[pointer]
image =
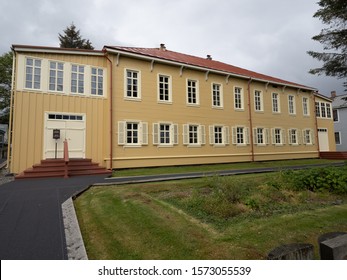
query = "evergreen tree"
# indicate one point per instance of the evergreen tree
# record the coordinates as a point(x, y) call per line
point(5, 85)
point(334, 39)
point(73, 39)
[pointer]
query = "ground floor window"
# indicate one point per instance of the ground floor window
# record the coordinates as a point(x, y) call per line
point(338, 138)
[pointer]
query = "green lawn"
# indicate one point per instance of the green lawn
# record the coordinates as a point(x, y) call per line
point(237, 217)
point(217, 167)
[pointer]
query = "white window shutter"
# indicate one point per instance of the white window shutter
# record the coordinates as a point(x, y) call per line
point(226, 135)
point(299, 136)
point(304, 137)
point(267, 136)
point(211, 134)
point(312, 137)
point(156, 134)
point(144, 133)
point(175, 134)
point(255, 136)
point(121, 132)
point(202, 134)
point(234, 136)
point(283, 136)
point(273, 136)
point(185, 134)
point(246, 135)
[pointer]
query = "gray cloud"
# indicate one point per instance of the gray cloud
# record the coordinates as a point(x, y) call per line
point(267, 36)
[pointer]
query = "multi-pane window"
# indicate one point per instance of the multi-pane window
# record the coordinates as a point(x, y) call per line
point(97, 81)
point(218, 135)
point(56, 76)
point(33, 73)
point(293, 136)
point(277, 136)
point(192, 92)
point(238, 98)
point(193, 134)
point(305, 107)
point(258, 101)
point(328, 107)
point(275, 103)
point(217, 96)
point(77, 78)
point(132, 133)
point(132, 84)
point(323, 110)
point(165, 134)
point(164, 88)
point(261, 136)
point(240, 135)
point(317, 109)
point(307, 137)
point(291, 104)
point(240, 139)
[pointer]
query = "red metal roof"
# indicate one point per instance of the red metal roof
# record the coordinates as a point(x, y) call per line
point(204, 63)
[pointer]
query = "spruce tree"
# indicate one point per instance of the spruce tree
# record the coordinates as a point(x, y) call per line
point(73, 39)
point(334, 39)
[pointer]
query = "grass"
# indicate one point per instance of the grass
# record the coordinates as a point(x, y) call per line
point(216, 167)
point(241, 217)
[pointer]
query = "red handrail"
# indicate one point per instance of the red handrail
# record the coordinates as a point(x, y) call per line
point(66, 158)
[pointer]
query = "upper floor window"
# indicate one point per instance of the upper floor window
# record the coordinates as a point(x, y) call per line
point(132, 84)
point(56, 76)
point(192, 92)
point(97, 81)
point(164, 89)
point(77, 78)
point(328, 107)
point(217, 98)
point(275, 103)
point(291, 104)
point(305, 106)
point(33, 73)
point(317, 109)
point(258, 101)
point(238, 98)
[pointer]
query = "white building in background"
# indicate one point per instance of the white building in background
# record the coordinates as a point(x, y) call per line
point(340, 120)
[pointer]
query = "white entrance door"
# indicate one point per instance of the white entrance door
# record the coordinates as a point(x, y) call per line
point(323, 139)
point(72, 128)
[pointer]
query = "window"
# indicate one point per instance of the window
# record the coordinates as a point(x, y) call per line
point(132, 86)
point(132, 133)
point(323, 110)
point(33, 73)
point(192, 92)
point(164, 89)
point(65, 117)
point(328, 107)
point(258, 101)
point(293, 137)
point(291, 104)
point(77, 79)
point(217, 98)
point(278, 136)
point(307, 137)
point(165, 134)
point(338, 138)
point(275, 103)
point(335, 115)
point(238, 98)
point(261, 136)
point(97, 81)
point(219, 135)
point(193, 134)
point(56, 76)
point(240, 135)
point(305, 106)
point(317, 109)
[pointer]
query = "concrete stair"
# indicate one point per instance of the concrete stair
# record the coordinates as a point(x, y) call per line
point(333, 155)
point(56, 168)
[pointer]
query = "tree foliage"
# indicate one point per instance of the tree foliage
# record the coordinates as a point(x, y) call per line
point(5, 85)
point(334, 39)
point(72, 39)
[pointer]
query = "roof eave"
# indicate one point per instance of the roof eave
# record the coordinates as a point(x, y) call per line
point(54, 50)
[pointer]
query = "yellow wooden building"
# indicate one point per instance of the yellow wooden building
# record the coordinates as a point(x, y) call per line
point(137, 107)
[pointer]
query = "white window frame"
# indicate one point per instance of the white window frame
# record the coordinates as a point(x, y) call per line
point(305, 106)
point(291, 105)
point(166, 87)
point(56, 80)
point(224, 135)
point(307, 136)
point(293, 134)
point(137, 84)
point(200, 135)
point(261, 136)
point(258, 101)
point(99, 81)
point(142, 133)
point(237, 132)
point(191, 91)
point(278, 133)
point(238, 99)
point(275, 103)
point(80, 79)
point(35, 75)
point(173, 134)
point(217, 95)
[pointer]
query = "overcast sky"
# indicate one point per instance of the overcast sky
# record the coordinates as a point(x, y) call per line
point(266, 36)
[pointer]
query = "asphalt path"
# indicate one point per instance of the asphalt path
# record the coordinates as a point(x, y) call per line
point(31, 223)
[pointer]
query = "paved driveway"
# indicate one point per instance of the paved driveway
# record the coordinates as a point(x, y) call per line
point(31, 224)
